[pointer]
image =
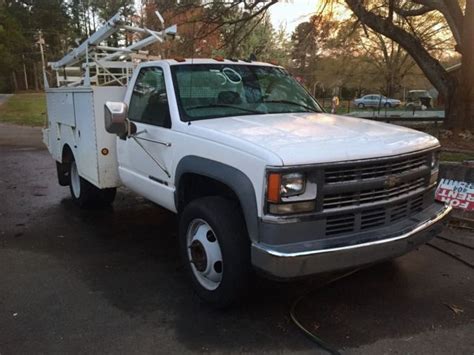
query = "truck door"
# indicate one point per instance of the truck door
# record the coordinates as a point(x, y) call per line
point(145, 158)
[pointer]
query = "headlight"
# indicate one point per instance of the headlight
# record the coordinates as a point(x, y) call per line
point(290, 193)
point(292, 184)
point(434, 160)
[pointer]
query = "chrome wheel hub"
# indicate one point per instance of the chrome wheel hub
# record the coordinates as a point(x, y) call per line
point(204, 254)
point(75, 180)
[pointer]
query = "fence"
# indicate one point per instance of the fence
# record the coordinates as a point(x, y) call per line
point(385, 114)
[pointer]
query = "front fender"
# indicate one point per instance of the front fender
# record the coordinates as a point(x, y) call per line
point(228, 175)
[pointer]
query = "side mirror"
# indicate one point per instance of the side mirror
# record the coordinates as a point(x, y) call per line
point(115, 114)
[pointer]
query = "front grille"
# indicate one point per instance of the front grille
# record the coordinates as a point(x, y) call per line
point(372, 218)
point(358, 198)
point(371, 194)
point(363, 183)
point(361, 172)
point(340, 224)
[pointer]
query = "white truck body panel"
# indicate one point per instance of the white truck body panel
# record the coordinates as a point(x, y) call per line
point(76, 119)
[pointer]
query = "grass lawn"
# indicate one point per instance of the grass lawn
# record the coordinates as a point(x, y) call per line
point(24, 109)
point(456, 157)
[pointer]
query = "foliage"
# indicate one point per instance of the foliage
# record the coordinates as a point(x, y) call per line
point(219, 28)
point(310, 40)
point(21, 22)
point(12, 42)
point(402, 21)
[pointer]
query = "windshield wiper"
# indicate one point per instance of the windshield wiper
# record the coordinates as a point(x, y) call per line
point(291, 103)
point(222, 105)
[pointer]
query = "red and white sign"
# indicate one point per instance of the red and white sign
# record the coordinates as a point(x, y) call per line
point(459, 194)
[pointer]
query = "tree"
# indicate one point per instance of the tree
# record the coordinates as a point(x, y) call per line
point(235, 28)
point(310, 39)
point(388, 57)
point(458, 15)
point(21, 22)
point(12, 42)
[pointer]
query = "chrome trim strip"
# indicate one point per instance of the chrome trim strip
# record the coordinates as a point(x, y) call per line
point(276, 168)
point(426, 224)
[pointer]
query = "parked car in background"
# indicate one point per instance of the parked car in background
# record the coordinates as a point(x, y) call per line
point(375, 100)
point(418, 98)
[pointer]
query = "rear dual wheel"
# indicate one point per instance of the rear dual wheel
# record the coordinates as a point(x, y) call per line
point(215, 249)
point(84, 194)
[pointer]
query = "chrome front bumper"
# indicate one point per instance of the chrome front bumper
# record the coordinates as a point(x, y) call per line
point(291, 261)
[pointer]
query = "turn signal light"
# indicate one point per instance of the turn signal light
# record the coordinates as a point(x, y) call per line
point(273, 187)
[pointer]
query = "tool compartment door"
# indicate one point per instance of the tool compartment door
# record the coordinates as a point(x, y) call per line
point(85, 149)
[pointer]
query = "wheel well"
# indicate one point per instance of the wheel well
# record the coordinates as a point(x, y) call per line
point(63, 168)
point(67, 155)
point(192, 186)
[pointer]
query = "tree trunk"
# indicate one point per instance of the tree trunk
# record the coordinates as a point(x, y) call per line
point(459, 110)
point(15, 82)
point(460, 102)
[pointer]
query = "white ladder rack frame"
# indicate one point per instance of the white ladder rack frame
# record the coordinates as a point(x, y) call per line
point(93, 54)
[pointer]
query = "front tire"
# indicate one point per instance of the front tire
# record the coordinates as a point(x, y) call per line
point(84, 194)
point(215, 249)
point(361, 105)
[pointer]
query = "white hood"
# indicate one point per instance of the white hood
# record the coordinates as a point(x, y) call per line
point(306, 138)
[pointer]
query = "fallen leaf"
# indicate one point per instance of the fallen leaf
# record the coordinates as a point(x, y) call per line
point(454, 308)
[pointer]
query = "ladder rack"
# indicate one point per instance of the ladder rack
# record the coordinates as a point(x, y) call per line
point(94, 63)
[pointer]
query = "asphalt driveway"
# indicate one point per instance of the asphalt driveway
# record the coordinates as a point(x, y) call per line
point(111, 282)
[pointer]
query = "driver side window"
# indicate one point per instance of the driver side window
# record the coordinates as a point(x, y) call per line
point(149, 101)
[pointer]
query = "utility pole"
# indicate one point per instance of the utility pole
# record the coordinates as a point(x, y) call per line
point(24, 72)
point(40, 42)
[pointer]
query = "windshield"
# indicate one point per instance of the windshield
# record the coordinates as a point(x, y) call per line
point(206, 91)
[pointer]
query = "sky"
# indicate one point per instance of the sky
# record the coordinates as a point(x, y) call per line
point(290, 13)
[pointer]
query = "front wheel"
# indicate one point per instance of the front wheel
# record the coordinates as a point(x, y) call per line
point(216, 250)
point(388, 105)
point(361, 105)
point(84, 194)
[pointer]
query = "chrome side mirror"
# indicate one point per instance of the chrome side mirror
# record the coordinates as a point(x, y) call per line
point(115, 114)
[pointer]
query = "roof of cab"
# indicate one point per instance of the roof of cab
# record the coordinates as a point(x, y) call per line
point(184, 61)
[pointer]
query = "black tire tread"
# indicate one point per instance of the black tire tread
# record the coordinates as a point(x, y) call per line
point(92, 196)
point(225, 218)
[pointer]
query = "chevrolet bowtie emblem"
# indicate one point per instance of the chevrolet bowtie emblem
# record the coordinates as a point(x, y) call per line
point(392, 181)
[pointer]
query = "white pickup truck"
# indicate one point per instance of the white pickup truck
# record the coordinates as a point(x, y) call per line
point(260, 176)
